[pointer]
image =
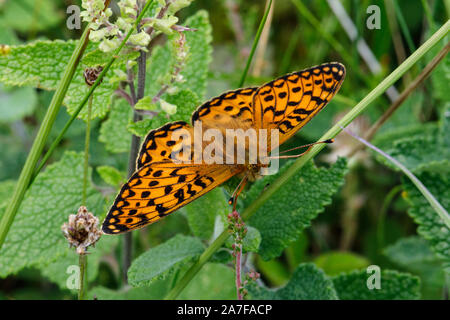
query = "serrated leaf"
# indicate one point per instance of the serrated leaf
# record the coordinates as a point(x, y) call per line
point(113, 132)
point(213, 282)
point(202, 213)
point(58, 272)
point(16, 103)
point(415, 255)
point(417, 151)
point(336, 262)
point(431, 227)
point(159, 262)
point(394, 286)
point(281, 219)
point(111, 175)
point(307, 283)
point(35, 237)
point(41, 64)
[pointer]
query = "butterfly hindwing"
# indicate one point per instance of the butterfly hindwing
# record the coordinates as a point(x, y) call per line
point(289, 102)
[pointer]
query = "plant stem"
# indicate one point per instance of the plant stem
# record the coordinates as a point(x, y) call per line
point(82, 262)
point(41, 137)
point(86, 151)
point(135, 142)
point(94, 86)
point(298, 164)
point(403, 96)
point(382, 216)
point(443, 214)
point(255, 43)
point(238, 272)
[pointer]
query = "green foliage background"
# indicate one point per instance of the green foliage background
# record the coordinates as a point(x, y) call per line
point(313, 239)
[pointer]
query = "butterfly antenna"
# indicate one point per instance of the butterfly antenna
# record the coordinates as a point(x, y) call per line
point(237, 192)
point(309, 146)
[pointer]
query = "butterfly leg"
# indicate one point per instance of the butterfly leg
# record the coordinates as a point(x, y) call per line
point(237, 192)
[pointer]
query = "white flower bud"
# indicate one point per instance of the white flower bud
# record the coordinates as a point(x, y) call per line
point(169, 108)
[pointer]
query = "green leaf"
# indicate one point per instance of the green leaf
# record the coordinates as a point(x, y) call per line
point(417, 151)
point(307, 283)
point(145, 104)
point(417, 147)
point(113, 132)
point(290, 210)
point(213, 282)
point(252, 240)
point(6, 190)
point(156, 291)
point(200, 50)
point(336, 262)
point(159, 262)
point(40, 64)
point(35, 237)
point(202, 213)
point(16, 103)
point(394, 286)
point(408, 252)
point(34, 15)
point(195, 71)
point(415, 255)
point(431, 227)
point(111, 175)
point(59, 272)
point(99, 58)
point(186, 102)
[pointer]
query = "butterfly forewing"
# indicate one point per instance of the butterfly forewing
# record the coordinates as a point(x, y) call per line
point(289, 102)
point(158, 189)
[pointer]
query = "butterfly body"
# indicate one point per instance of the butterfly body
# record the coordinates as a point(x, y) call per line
point(232, 134)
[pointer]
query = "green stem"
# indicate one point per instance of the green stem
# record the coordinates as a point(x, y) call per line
point(382, 216)
point(255, 44)
point(440, 210)
point(404, 27)
point(82, 262)
point(336, 45)
point(298, 164)
point(41, 137)
point(428, 14)
point(26, 175)
point(86, 151)
point(92, 89)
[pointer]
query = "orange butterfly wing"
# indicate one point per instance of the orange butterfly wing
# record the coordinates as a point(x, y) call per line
point(291, 101)
point(160, 188)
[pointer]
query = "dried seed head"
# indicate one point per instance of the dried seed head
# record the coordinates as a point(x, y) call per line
point(91, 74)
point(82, 230)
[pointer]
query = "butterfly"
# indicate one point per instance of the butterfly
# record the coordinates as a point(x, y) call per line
point(161, 185)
